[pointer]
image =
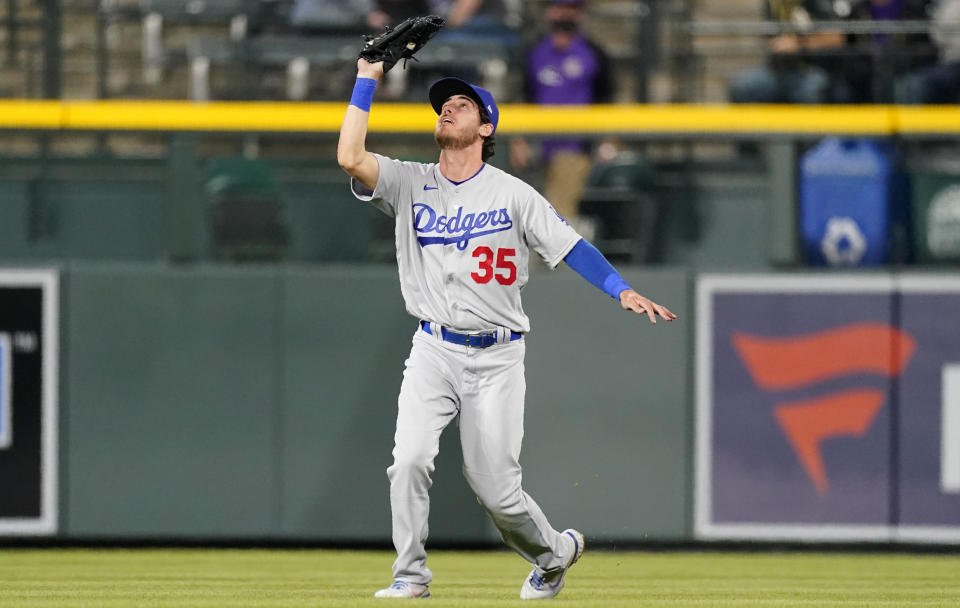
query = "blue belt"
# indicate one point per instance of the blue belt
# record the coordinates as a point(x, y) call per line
point(471, 340)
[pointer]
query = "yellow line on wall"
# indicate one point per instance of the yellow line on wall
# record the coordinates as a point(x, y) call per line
point(515, 118)
point(31, 114)
point(186, 116)
point(707, 119)
point(245, 116)
point(930, 119)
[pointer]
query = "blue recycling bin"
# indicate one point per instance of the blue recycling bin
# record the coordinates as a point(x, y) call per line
point(852, 203)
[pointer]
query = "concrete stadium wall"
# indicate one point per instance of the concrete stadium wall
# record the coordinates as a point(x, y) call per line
point(258, 402)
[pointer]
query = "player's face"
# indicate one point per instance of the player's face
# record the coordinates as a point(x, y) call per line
point(459, 124)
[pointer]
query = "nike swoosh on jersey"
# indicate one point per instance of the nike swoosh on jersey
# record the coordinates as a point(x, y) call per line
point(426, 187)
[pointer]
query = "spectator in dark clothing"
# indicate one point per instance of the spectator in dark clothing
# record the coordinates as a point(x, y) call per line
point(392, 12)
point(309, 15)
point(491, 22)
point(483, 18)
point(372, 14)
point(939, 83)
point(873, 62)
point(797, 63)
point(564, 67)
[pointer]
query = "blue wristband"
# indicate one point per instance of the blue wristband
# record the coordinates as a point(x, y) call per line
point(363, 93)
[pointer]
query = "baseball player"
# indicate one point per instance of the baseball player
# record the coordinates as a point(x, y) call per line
point(464, 231)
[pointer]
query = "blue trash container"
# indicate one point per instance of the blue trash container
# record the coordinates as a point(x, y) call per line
point(852, 203)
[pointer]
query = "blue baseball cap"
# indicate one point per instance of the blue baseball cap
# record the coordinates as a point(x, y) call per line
point(445, 88)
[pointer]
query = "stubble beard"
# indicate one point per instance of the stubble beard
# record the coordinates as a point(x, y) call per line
point(455, 141)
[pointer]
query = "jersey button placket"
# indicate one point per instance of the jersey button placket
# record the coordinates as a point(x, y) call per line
point(448, 270)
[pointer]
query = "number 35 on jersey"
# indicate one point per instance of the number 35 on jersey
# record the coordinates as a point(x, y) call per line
point(499, 265)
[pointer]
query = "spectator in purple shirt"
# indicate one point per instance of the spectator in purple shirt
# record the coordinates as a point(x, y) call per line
point(564, 67)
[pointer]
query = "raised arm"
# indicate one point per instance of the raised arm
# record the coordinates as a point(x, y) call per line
point(351, 151)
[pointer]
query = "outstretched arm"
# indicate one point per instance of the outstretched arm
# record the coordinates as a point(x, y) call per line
point(351, 151)
point(591, 265)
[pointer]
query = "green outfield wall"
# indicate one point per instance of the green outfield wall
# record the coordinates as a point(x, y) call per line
point(118, 210)
point(203, 400)
point(258, 403)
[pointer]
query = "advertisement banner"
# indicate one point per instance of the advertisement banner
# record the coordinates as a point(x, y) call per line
point(929, 423)
point(821, 403)
point(29, 328)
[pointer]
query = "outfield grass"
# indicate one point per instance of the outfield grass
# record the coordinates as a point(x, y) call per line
point(273, 578)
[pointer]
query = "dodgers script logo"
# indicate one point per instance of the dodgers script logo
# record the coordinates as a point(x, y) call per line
point(457, 228)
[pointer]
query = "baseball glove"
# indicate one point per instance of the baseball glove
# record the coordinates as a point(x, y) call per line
point(400, 42)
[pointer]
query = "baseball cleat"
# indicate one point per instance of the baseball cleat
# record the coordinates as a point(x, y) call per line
point(545, 585)
point(404, 590)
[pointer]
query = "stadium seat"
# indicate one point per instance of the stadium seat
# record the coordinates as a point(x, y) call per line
point(248, 217)
point(201, 11)
point(301, 54)
point(241, 15)
point(618, 197)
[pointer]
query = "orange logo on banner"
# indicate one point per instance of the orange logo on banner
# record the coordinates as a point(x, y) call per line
point(788, 363)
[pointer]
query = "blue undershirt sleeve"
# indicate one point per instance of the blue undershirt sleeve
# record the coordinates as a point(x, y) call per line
point(592, 266)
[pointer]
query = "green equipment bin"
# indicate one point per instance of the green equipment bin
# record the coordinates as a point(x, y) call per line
point(935, 214)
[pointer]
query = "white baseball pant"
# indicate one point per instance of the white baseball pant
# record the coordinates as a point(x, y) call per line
point(486, 388)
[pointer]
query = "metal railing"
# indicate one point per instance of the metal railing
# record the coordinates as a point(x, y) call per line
point(49, 26)
point(724, 39)
point(770, 28)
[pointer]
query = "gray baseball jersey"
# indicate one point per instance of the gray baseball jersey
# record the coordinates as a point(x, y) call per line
point(463, 248)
